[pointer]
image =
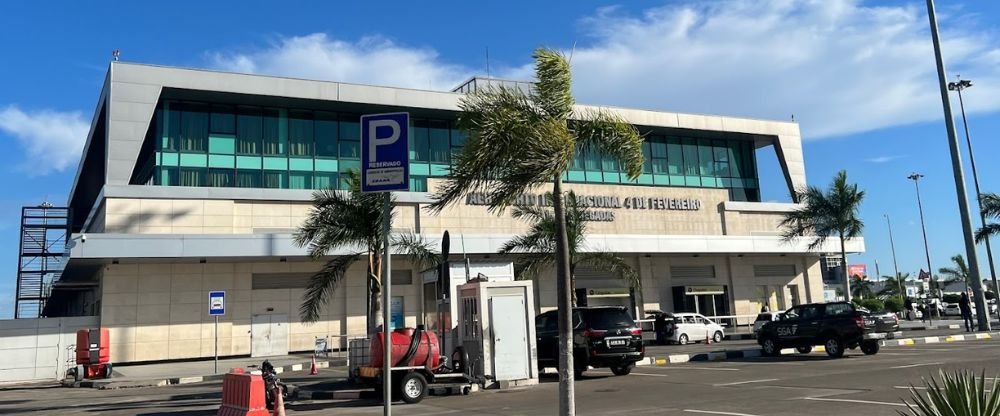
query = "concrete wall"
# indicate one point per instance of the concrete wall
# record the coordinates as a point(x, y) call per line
point(158, 311)
point(39, 349)
point(208, 216)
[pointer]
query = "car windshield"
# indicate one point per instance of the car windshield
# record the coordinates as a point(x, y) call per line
point(609, 318)
point(764, 317)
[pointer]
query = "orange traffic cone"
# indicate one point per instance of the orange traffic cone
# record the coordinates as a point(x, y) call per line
point(312, 369)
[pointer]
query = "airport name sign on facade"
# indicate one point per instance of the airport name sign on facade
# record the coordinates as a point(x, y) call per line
point(599, 201)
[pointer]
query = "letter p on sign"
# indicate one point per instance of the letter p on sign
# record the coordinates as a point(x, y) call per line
point(385, 152)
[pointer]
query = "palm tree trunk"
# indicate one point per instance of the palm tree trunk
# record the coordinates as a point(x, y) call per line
point(567, 394)
point(572, 285)
point(843, 268)
point(375, 290)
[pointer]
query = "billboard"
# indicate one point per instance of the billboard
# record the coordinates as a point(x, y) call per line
point(857, 270)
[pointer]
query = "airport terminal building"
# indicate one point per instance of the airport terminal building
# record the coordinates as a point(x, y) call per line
point(194, 181)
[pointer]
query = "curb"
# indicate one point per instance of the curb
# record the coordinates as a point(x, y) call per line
point(940, 339)
point(755, 352)
point(113, 384)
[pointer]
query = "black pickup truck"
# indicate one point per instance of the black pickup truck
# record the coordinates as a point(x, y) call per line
point(836, 326)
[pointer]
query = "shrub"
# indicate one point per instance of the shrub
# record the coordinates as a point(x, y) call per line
point(957, 394)
point(871, 304)
point(894, 304)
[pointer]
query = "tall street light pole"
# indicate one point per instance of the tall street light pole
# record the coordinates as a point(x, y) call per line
point(956, 165)
point(895, 265)
point(915, 177)
point(959, 86)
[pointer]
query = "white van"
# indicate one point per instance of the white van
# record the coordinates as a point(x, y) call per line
point(694, 327)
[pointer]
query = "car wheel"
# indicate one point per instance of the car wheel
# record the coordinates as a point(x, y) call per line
point(717, 338)
point(804, 349)
point(413, 388)
point(683, 339)
point(870, 347)
point(834, 347)
point(622, 370)
point(770, 348)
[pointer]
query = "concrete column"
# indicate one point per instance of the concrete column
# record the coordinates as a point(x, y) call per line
point(650, 296)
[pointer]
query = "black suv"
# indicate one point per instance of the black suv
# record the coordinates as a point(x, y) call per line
point(602, 337)
point(836, 326)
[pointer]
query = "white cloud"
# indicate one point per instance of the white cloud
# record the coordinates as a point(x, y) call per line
point(52, 140)
point(884, 158)
point(370, 60)
point(839, 65)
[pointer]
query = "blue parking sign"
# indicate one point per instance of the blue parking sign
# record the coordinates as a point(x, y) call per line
point(385, 152)
point(216, 303)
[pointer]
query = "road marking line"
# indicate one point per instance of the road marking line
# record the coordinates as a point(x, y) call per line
point(710, 412)
point(678, 367)
point(736, 383)
point(898, 353)
point(916, 365)
point(853, 401)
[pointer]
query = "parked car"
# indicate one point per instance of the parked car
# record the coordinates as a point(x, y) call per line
point(763, 318)
point(836, 326)
point(954, 309)
point(885, 321)
point(693, 327)
point(603, 336)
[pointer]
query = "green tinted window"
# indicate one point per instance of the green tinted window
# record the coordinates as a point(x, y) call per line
point(249, 131)
point(326, 134)
point(300, 133)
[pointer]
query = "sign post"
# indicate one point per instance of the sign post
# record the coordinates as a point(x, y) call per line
point(217, 308)
point(385, 167)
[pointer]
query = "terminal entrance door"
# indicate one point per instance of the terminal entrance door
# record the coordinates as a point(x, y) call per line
point(706, 300)
point(268, 335)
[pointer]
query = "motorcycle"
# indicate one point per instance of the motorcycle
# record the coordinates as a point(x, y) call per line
point(271, 381)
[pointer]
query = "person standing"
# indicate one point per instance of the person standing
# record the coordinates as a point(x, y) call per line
point(966, 309)
point(909, 309)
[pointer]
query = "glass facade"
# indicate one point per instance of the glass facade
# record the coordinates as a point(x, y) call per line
point(211, 145)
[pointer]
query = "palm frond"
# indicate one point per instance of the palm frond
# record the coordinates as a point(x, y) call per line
point(512, 148)
point(420, 251)
point(991, 204)
point(833, 212)
point(530, 266)
point(609, 134)
point(322, 284)
point(987, 231)
point(552, 88)
point(611, 263)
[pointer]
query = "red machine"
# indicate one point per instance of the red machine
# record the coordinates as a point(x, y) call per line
point(417, 366)
point(93, 354)
point(425, 354)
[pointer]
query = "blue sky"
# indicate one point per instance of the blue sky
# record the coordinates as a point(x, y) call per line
point(858, 75)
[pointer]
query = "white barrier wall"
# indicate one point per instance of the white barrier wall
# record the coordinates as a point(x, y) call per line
point(37, 349)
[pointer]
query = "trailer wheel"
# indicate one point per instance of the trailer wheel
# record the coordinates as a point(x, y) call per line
point(413, 388)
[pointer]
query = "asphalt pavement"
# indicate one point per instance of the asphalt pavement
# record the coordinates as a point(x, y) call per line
point(790, 385)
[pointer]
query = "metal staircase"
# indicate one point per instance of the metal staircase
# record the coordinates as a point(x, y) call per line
point(44, 234)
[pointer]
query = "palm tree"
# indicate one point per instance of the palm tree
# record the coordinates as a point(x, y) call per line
point(894, 286)
point(827, 213)
point(539, 242)
point(862, 288)
point(350, 221)
point(990, 203)
point(519, 141)
point(958, 273)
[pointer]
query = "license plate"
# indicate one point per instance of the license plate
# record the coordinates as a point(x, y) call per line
point(617, 342)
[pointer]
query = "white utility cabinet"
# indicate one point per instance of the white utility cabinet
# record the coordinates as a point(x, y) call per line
point(496, 325)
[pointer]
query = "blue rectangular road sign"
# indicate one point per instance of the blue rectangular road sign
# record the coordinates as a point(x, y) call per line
point(385, 152)
point(216, 303)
